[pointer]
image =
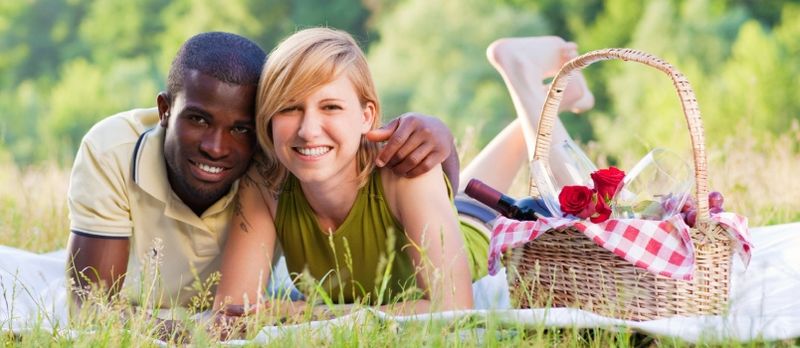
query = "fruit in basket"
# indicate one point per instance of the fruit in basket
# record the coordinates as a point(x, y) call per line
point(670, 204)
point(689, 209)
point(689, 205)
point(690, 217)
point(715, 200)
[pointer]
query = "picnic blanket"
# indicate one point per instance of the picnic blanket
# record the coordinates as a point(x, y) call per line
point(764, 304)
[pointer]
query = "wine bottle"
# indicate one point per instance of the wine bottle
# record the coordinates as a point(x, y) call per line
point(518, 209)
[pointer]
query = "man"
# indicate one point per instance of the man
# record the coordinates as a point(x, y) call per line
point(152, 190)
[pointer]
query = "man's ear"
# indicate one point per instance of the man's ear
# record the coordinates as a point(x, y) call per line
point(163, 108)
point(368, 117)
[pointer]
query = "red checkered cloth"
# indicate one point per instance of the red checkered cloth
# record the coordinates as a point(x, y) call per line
point(660, 247)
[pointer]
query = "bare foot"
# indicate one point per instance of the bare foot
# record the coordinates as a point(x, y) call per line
point(531, 59)
point(525, 62)
point(577, 97)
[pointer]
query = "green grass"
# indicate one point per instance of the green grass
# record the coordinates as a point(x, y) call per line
point(757, 179)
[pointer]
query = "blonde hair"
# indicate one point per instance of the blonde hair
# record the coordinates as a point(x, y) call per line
point(298, 66)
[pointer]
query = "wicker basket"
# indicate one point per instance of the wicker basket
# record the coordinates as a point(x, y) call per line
point(567, 269)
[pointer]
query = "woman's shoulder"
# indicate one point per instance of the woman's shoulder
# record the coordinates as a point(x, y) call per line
point(386, 180)
point(395, 185)
point(389, 176)
point(254, 189)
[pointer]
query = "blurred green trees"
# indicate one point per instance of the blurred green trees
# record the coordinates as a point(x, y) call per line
point(741, 69)
point(431, 58)
point(67, 63)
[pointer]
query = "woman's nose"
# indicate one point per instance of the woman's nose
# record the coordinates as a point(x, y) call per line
point(310, 126)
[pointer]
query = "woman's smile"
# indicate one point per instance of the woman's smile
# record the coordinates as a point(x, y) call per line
point(312, 151)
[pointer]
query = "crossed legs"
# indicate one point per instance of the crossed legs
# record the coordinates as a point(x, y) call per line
point(524, 63)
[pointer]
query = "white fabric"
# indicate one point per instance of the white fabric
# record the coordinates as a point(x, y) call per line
point(764, 299)
point(32, 288)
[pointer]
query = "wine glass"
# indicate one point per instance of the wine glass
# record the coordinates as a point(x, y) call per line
point(545, 182)
point(655, 188)
point(578, 166)
point(577, 170)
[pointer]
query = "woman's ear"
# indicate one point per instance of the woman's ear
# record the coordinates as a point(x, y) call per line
point(368, 118)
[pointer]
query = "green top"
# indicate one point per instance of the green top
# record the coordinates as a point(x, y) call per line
point(358, 248)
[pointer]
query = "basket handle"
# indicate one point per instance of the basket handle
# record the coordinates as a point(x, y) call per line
point(685, 93)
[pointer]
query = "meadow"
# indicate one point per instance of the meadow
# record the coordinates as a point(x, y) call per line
point(758, 180)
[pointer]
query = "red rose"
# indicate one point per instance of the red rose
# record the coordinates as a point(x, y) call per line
point(606, 182)
point(601, 212)
point(577, 200)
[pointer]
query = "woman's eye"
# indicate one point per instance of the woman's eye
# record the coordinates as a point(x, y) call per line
point(289, 109)
point(332, 107)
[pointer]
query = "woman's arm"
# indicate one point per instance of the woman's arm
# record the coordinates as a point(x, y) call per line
point(247, 262)
point(247, 257)
point(423, 207)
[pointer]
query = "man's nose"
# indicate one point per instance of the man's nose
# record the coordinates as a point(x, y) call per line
point(310, 125)
point(213, 144)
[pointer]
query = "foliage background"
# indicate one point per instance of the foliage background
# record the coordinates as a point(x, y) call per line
point(68, 63)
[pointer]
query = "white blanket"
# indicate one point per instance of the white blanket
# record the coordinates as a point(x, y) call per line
point(764, 299)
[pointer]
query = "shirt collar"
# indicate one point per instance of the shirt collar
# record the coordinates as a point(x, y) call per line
point(149, 172)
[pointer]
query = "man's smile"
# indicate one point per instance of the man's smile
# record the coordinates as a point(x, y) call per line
point(208, 172)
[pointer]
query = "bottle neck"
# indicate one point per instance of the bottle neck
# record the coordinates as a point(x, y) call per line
point(506, 205)
point(487, 195)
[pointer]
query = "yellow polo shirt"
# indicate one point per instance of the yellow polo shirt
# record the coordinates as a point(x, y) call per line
point(119, 188)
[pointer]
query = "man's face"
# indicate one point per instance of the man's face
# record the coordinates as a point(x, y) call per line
point(209, 139)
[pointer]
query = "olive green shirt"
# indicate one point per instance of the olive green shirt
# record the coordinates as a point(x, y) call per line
point(350, 262)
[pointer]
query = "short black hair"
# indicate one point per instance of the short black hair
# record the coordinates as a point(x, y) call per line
point(226, 57)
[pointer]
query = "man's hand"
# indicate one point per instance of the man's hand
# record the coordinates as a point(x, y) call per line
point(414, 144)
point(171, 331)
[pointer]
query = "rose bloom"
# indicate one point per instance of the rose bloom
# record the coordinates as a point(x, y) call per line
point(601, 212)
point(606, 182)
point(577, 201)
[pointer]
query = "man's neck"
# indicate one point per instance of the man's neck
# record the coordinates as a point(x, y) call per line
point(198, 205)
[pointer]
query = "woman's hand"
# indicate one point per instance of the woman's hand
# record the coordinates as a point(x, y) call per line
point(229, 321)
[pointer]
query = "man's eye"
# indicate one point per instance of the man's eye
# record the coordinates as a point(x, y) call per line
point(240, 130)
point(198, 119)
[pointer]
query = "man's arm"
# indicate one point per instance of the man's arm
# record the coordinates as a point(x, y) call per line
point(416, 143)
point(96, 261)
point(98, 201)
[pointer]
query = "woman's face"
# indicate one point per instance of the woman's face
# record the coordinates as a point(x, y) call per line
point(317, 138)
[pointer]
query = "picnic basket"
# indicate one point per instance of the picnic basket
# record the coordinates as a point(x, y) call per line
point(567, 269)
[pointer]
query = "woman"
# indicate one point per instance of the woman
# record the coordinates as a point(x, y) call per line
point(333, 211)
